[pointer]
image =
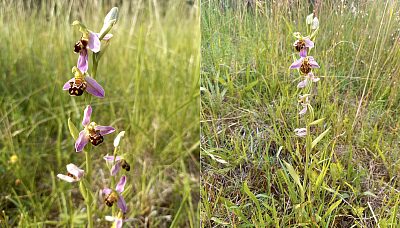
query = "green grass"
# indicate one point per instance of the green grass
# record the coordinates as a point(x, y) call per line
point(150, 74)
point(252, 164)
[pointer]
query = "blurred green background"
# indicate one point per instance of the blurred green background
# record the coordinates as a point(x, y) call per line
point(150, 74)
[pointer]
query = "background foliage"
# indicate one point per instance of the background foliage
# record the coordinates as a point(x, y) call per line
point(249, 111)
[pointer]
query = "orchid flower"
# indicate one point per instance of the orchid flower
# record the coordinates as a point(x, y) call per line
point(305, 64)
point(300, 132)
point(90, 39)
point(309, 76)
point(114, 195)
point(81, 82)
point(119, 219)
point(120, 162)
point(304, 103)
point(74, 174)
point(92, 132)
point(302, 44)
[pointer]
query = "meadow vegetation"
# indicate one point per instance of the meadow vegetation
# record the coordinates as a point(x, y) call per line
point(150, 75)
point(249, 110)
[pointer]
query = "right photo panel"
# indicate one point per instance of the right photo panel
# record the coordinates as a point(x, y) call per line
point(299, 113)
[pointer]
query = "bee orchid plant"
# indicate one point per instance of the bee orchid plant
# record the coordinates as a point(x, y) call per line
point(81, 84)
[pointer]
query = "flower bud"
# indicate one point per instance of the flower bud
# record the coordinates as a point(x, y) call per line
point(117, 141)
point(112, 15)
point(315, 23)
point(309, 18)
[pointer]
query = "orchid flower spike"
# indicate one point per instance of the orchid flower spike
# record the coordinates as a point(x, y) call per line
point(92, 132)
point(121, 162)
point(300, 132)
point(304, 102)
point(305, 64)
point(81, 82)
point(74, 174)
point(302, 44)
point(119, 219)
point(309, 76)
point(113, 196)
point(89, 40)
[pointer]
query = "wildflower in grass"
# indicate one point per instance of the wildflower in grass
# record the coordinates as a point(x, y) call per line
point(119, 219)
point(309, 76)
point(114, 195)
point(81, 82)
point(74, 174)
point(302, 44)
point(88, 39)
point(300, 132)
point(304, 102)
point(92, 132)
point(120, 163)
point(305, 64)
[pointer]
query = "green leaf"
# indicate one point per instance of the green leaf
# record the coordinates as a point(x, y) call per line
point(221, 222)
point(102, 50)
point(251, 85)
point(294, 175)
point(73, 130)
point(316, 122)
point(83, 190)
point(253, 197)
point(314, 143)
point(332, 207)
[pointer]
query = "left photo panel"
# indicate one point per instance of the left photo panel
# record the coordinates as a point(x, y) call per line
point(99, 113)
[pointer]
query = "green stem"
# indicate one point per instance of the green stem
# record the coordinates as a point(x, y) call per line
point(113, 181)
point(89, 195)
point(89, 156)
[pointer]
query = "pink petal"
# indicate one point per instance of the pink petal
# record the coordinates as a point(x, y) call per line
point(315, 79)
point(74, 170)
point(302, 112)
point(93, 87)
point(81, 142)
point(309, 43)
point(121, 184)
point(83, 60)
point(104, 129)
point(296, 63)
point(300, 132)
point(121, 203)
point(111, 158)
point(66, 178)
point(312, 62)
point(302, 84)
point(106, 37)
point(118, 223)
point(130, 220)
point(67, 85)
point(303, 52)
point(115, 168)
point(107, 191)
point(94, 42)
point(86, 116)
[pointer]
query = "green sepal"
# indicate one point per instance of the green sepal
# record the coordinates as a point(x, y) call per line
point(107, 27)
point(73, 130)
point(83, 190)
point(82, 27)
point(126, 191)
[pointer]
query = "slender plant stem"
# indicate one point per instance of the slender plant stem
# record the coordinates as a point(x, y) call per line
point(89, 157)
point(113, 180)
